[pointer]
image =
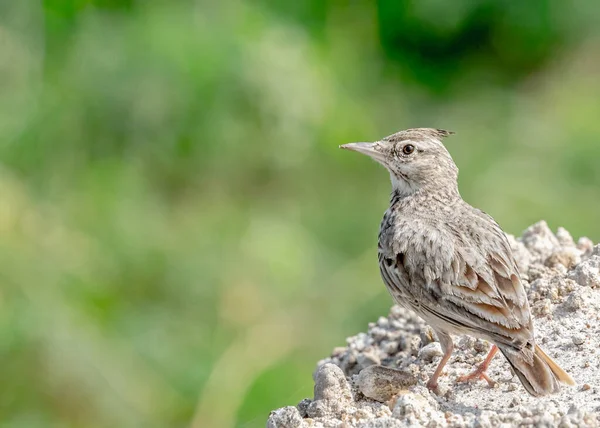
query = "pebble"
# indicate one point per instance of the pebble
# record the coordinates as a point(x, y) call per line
point(331, 394)
point(383, 322)
point(585, 245)
point(587, 273)
point(578, 299)
point(481, 346)
point(564, 257)
point(331, 384)
point(564, 237)
point(378, 333)
point(286, 417)
point(466, 342)
point(382, 383)
point(515, 401)
point(542, 307)
point(390, 347)
point(427, 335)
point(410, 404)
point(540, 240)
point(360, 341)
point(366, 359)
point(338, 351)
point(578, 339)
point(414, 345)
point(429, 352)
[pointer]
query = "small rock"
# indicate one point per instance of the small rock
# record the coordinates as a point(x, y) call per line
point(567, 257)
point(586, 387)
point(346, 361)
point(359, 342)
point(338, 351)
point(578, 299)
point(565, 422)
point(562, 269)
point(578, 339)
point(481, 346)
point(585, 245)
point(429, 352)
point(413, 345)
point(587, 273)
point(303, 407)
point(413, 369)
point(378, 333)
point(366, 359)
point(512, 387)
point(540, 240)
point(514, 402)
point(542, 307)
point(466, 343)
point(397, 312)
point(322, 409)
point(386, 422)
point(286, 417)
point(427, 335)
point(564, 237)
point(331, 384)
point(410, 404)
point(382, 383)
point(403, 343)
point(383, 322)
point(332, 392)
point(390, 347)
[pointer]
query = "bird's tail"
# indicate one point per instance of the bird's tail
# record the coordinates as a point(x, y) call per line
point(541, 376)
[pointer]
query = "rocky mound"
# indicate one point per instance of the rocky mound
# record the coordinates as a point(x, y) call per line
point(378, 379)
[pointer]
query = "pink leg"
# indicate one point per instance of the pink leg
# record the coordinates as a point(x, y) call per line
point(447, 347)
point(480, 371)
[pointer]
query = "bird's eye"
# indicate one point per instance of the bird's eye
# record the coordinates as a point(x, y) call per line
point(408, 149)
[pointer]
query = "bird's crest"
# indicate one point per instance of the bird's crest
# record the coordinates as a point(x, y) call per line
point(443, 133)
point(419, 133)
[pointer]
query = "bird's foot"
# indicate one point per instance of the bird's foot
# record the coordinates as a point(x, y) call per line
point(478, 374)
point(433, 387)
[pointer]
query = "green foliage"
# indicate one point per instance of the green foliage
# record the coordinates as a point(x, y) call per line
point(181, 239)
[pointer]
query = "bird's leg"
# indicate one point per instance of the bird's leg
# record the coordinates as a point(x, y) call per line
point(480, 371)
point(447, 347)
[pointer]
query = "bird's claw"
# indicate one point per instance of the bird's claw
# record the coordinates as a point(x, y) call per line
point(478, 374)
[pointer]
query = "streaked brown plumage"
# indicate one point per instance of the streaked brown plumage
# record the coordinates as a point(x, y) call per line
point(451, 263)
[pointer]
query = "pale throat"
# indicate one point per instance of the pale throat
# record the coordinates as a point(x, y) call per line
point(404, 188)
point(401, 186)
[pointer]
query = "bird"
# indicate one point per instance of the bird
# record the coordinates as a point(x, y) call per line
point(451, 263)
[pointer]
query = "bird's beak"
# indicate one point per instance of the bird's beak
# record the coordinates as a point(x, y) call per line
point(373, 150)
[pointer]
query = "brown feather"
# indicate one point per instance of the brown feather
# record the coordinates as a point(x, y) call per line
point(560, 374)
point(538, 373)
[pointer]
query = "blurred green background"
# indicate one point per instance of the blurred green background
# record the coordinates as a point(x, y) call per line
point(180, 238)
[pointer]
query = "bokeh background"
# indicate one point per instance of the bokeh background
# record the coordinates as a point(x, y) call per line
point(180, 238)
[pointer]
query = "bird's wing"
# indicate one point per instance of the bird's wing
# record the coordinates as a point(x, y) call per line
point(467, 280)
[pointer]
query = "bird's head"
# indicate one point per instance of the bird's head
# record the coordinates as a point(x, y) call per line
point(415, 158)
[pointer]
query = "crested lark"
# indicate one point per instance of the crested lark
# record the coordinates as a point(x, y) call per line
point(451, 263)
